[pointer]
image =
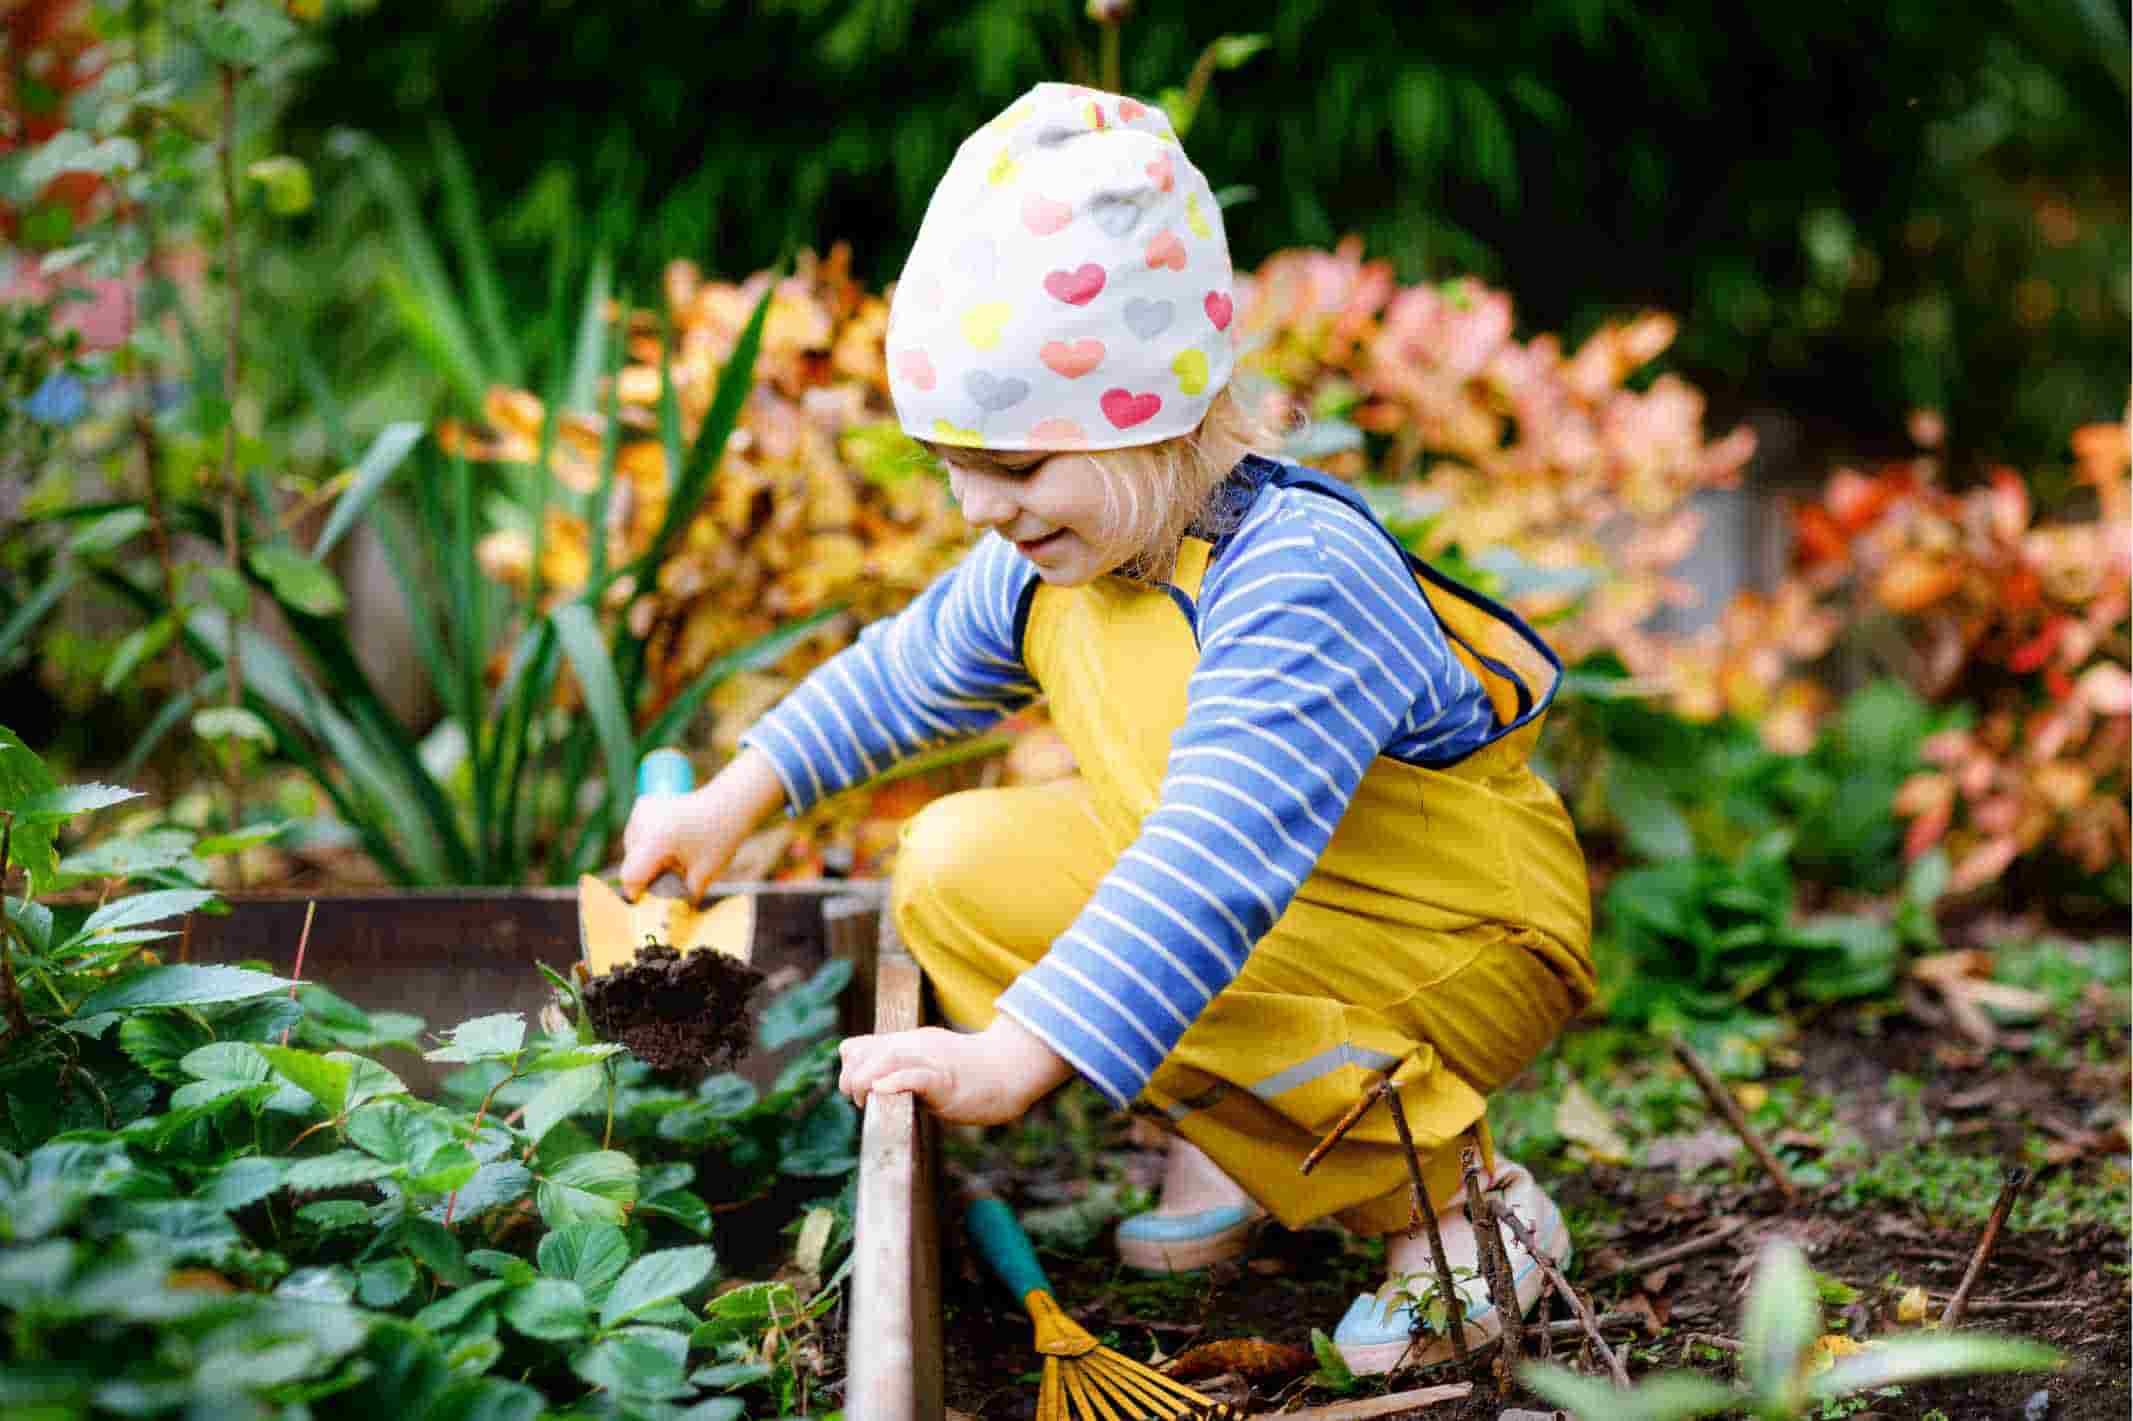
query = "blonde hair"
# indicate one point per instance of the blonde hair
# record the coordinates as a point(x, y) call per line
point(1158, 491)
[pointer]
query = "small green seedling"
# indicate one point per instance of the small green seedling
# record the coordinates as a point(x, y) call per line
point(1778, 1335)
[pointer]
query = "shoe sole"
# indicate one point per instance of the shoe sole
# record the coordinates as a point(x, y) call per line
point(1187, 1255)
point(1377, 1358)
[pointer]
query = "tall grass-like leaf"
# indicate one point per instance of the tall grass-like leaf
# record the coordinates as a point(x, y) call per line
point(1912, 1359)
point(463, 220)
point(589, 350)
point(34, 607)
point(582, 643)
point(1782, 1318)
point(765, 650)
point(420, 291)
point(380, 462)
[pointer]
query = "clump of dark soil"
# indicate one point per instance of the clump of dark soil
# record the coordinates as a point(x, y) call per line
point(684, 1015)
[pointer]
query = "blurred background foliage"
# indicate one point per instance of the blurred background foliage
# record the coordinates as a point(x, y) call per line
point(1855, 209)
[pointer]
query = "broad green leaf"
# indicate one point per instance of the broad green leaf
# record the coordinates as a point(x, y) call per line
point(450, 1168)
point(385, 1281)
point(484, 1038)
point(637, 1363)
point(495, 1184)
point(236, 1062)
point(335, 1171)
point(34, 920)
point(324, 1079)
point(654, 1278)
point(480, 1398)
point(243, 1181)
point(745, 1312)
point(1675, 1396)
point(136, 855)
point(333, 1284)
point(158, 1041)
point(823, 1142)
point(137, 908)
point(595, 1187)
point(1781, 1321)
point(244, 33)
point(23, 778)
point(238, 840)
point(679, 1205)
point(435, 1247)
point(180, 984)
point(731, 1376)
point(552, 1309)
point(1655, 827)
point(367, 1080)
point(592, 1255)
point(1899, 1360)
point(562, 1096)
point(455, 1308)
point(398, 1132)
point(298, 581)
point(499, 1264)
point(579, 635)
point(335, 1215)
point(55, 806)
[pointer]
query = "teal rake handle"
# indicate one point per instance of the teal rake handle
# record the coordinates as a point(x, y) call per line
point(1005, 1248)
point(665, 771)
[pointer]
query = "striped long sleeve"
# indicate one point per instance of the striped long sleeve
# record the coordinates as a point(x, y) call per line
point(945, 667)
point(1317, 653)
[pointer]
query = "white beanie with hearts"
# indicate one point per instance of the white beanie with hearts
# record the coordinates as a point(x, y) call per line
point(1070, 285)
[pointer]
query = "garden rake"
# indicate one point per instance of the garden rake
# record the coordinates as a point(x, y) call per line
point(1083, 1379)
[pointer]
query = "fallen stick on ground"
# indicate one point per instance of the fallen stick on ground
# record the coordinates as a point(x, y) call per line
point(2009, 1188)
point(1675, 1252)
point(1346, 1123)
point(1727, 1106)
point(1984, 1306)
point(1586, 1320)
point(1385, 1405)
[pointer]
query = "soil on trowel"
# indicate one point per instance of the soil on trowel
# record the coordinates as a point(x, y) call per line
point(684, 1015)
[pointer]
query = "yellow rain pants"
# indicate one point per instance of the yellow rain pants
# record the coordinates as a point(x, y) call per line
point(1445, 930)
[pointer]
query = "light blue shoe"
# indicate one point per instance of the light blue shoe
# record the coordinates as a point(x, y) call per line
point(1376, 1336)
point(1176, 1243)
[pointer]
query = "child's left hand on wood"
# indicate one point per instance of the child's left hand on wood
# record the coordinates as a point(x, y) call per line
point(985, 1078)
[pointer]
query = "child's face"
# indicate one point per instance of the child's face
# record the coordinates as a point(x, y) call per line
point(1058, 509)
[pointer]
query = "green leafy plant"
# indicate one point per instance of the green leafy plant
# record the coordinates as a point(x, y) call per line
point(1780, 1382)
point(1702, 936)
point(210, 1205)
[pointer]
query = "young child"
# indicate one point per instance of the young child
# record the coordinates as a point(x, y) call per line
point(1304, 846)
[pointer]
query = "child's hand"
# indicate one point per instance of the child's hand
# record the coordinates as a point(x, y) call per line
point(697, 833)
point(986, 1079)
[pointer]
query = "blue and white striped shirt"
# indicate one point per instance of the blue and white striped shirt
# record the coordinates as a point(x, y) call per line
point(1317, 654)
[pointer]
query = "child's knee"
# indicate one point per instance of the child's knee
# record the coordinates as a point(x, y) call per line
point(940, 861)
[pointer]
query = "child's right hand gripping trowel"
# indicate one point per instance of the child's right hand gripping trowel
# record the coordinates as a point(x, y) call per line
point(611, 928)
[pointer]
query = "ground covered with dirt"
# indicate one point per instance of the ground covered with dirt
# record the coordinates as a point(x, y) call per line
point(1895, 1130)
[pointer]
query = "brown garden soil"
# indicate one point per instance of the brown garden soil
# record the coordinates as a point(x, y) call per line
point(2068, 1288)
point(683, 1015)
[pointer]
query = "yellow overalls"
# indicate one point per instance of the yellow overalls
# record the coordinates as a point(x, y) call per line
point(1445, 929)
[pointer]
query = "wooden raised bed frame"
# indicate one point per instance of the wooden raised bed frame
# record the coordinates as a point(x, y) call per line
point(453, 954)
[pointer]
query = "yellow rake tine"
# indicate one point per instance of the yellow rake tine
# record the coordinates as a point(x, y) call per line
point(1092, 1405)
point(1051, 1399)
point(1126, 1379)
point(1149, 1377)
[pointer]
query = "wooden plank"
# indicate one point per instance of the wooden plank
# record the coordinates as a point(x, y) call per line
point(893, 1358)
point(851, 924)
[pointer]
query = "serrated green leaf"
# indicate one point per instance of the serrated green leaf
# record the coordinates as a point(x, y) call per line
point(495, 1184)
point(682, 1207)
point(180, 984)
point(484, 1038)
point(244, 33)
point(823, 1142)
point(435, 1247)
point(158, 1041)
point(596, 1187)
point(398, 1132)
point(385, 1281)
point(334, 1215)
point(726, 1095)
point(638, 1363)
point(243, 1181)
point(745, 1311)
point(136, 855)
point(592, 1255)
point(450, 1168)
point(552, 1309)
point(338, 1170)
point(324, 1079)
point(137, 908)
point(654, 1278)
point(561, 1097)
point(56, 806)
point(454, 1308)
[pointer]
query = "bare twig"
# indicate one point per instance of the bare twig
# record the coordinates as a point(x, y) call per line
point(1346, 1123)
point(1727, 1106)
point(2003, 1305)
point(2010, 1186)
point(296, 977)
point(1586, 1320)
point(1425, 1213)
point(1389, 1404)
point(1495, 1262)
point(1674, 1253)
point(1708, 1339)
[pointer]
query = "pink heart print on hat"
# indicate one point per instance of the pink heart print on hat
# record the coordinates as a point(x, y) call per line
point(1054, 293)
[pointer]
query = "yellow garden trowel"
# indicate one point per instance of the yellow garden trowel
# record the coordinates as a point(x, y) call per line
point(611, 928)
